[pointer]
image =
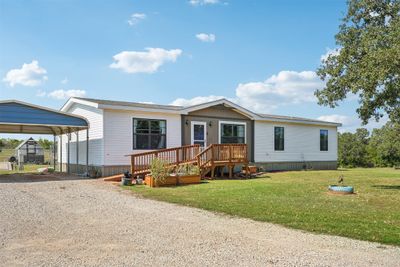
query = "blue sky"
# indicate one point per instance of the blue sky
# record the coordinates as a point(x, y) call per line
point(260, 54)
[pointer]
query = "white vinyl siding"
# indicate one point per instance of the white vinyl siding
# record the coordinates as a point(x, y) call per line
point(301, 142)
point(118, 133)
point(95, 118)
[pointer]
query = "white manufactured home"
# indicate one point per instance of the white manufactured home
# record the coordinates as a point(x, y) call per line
point(121, 128)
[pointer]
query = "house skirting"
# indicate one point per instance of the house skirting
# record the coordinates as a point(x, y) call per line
point(267, 166)
point(301, 165)
point(104, 170)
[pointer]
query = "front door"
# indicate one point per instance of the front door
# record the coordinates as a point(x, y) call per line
point(199, 133)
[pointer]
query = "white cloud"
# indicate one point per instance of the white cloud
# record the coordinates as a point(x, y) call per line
point(30, 74)
point(203, 2)
point(65, 94)
point(136, 18)
point(41, 93)
point(65, 80)
point(144, 62)
point(352, 123)
point(204, 37)
point(330, 52)
point(287, 87)
point(195, 101)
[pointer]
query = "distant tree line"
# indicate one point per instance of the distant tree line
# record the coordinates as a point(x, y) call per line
point(381, 148)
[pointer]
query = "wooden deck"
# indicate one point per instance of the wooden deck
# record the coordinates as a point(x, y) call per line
point(222, 155)
point(208, 159)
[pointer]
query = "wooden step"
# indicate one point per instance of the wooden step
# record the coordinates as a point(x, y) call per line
point(114, 178)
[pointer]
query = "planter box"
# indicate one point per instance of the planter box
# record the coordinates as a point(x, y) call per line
point(170, 180)
point(251, 169)
point(189, 179)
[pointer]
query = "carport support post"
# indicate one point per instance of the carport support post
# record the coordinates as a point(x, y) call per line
point(77, 151)
point(54, 151)
point(68, 167)
point(87, 151)
point(60, 152)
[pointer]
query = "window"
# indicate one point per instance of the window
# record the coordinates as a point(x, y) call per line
point(149, 134)
point(232, 133)
point(279, 138)
point(323, 140)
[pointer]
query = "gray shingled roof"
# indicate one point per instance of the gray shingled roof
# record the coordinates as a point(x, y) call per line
point(177, 108)
point(281, 117)
point(130, 104)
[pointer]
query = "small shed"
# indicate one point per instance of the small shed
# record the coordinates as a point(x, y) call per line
point(30, 151)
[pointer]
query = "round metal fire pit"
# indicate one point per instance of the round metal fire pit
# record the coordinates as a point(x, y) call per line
point(338, 189)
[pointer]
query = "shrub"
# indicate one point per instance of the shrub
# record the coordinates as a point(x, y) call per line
point(159, 170)
point(188, 169)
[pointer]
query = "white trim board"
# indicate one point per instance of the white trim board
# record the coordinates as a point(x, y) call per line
point(232, 122)
point(192, 123)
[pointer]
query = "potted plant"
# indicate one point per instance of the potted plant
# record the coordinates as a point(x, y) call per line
point(126, 179)
point(188, 174)
point(160, 174)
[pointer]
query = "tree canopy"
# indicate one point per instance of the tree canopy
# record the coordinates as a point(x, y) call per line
point(367, 61)
point(380, 149)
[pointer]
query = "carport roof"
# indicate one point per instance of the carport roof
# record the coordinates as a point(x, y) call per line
point(20, 117)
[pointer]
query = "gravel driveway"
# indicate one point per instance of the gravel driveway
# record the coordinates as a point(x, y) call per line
point(66, 222)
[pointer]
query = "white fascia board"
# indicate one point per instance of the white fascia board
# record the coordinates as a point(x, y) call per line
point(72, 100)
point(331, 124)
point(223, 101)
point(127, 108)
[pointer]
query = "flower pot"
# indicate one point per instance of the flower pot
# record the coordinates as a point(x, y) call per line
point(126, 181)
point(189, 179)
point(251, 169)
point(169, 181)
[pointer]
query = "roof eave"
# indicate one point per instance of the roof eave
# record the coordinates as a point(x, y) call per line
point(251, 115)
point(154, 110)
point(331, 124)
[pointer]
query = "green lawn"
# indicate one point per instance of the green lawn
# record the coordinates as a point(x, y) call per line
point(28, 168)
point(300, 200)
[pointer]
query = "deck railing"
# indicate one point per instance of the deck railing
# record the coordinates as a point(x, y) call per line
point(211, 156)
point(222, 153)
point(140, 163)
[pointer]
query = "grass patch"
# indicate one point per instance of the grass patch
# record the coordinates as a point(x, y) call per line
point(300, 200)
point(28, 168)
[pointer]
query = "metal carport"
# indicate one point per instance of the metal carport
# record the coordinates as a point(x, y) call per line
point(24, 118)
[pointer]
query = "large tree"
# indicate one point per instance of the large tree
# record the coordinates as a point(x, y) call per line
point(353, 148)
point(367, 61)
point(384, 145)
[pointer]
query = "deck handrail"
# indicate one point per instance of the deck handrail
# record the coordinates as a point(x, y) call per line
point(230, 153)
point(211, 156)
point(140, 162)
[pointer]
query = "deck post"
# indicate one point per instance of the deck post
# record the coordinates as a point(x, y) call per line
point(133, 165)
point(230, 171)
